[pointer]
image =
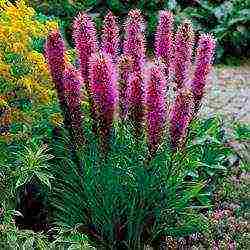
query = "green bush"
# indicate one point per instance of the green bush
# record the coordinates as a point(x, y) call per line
point(227, 20)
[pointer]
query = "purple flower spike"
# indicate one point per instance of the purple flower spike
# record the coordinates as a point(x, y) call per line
point(155, 106)
point(125, 70)
point(54, 53)
point(103, 80)
point(164, 38)
point(180, 117)
point(84, 34)
point(135, 92)
point(110, 36)
point(134, 43)
point(203, 64)
point(183, 53)
point(72, 90)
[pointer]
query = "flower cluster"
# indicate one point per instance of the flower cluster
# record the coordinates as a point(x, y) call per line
point(134, 41)
point(204, 57)
point(110, 72)
point(84, 35)
point(24, 77)
point(155, 106)
point(180, 117)
point(110, 36)
point(72, 90)
point(103, 81)
point(55, 50)
point(183, 53)
point(164, 38)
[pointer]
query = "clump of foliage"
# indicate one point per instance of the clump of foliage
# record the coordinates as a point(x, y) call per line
point(23, 219)
point(227, 20)
point(131, 172)
point(25, 83)
point(13, 238)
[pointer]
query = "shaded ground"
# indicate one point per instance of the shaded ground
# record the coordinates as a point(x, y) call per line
point(228, 93)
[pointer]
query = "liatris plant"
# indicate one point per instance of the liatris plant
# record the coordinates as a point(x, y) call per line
point(72, 92)
point(84, 34)
point(141, 171)
point(155, 106)
point(110, 36)
point(54, 52)
point(164, 38)
point(183, 48)
point(103, 79)
point(180, 117)
point(125, 70)
point(136, 104)
point(134, 43)
point(204, 57)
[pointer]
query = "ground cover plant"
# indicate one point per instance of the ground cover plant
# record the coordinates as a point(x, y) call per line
point(132, 165)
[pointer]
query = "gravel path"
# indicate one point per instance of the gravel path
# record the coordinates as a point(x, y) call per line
point(228, 93)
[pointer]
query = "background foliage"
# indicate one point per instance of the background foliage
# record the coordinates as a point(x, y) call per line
point(228, 20)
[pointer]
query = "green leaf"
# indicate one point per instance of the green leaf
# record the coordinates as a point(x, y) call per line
point(28, 244)
point(44, 178)
point(23, 179)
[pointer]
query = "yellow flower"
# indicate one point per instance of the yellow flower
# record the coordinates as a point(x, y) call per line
point(5, 70)
point(6, 137)
point(26, 83)
point(18, 27)
point(56, 119)
point(3, 102)
point(18, 47)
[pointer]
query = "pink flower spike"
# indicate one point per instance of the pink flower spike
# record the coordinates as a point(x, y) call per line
point(164, 38)
point(125, 71)
point(84, 34)
point(110, 36)
point(134, 41)
point(184, 41)
point(203, 65)
point(180, 117)
point(155, 106)
point(103, 80)
point(72, 89)
point(136, 110)
point(54, 53)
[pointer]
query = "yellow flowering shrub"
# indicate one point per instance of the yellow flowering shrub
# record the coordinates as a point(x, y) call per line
point(25, 83)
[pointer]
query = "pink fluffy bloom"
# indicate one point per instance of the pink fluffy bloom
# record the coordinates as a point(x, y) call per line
point(180, 117)
point(164, 38)
point(84, 34)
point(134, 43)
point(184, 40)
point(155, 106)
point(103, 83)
point(136, 96)
point(54, 53)
point(203, 64)
point(72, 91)
point(125, 70)
point(110, 36)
